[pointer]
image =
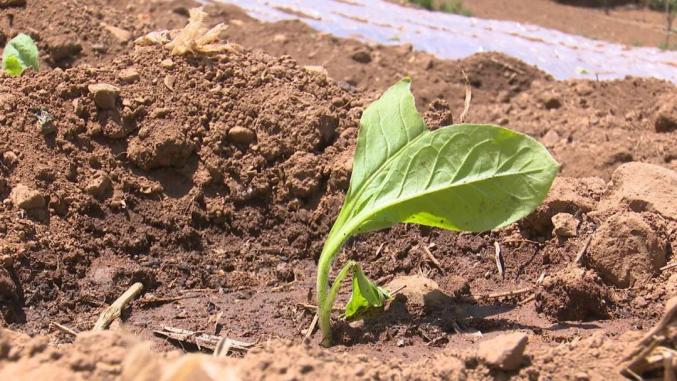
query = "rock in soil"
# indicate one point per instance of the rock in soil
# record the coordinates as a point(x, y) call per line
point(26, 198)
point(627, 249)
point(573, 294)
point(505, 352)
point(564, 225)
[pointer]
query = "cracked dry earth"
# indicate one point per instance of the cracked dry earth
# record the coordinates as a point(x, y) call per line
point(213, 181)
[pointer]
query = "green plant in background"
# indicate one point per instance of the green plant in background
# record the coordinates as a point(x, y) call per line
point(20, 54)
point(456, 7)
point(462, 177)
point(448, 6)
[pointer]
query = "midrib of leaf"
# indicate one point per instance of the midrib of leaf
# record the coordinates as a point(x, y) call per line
point(363, 217)
point(350, 199)
point(347, 211)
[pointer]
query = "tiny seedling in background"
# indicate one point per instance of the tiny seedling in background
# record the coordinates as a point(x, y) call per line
point(20, 54)
point(464, 177)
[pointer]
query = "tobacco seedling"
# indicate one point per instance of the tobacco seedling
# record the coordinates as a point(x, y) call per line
point(20, 53)
point(464, 177)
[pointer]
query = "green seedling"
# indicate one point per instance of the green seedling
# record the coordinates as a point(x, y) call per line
point(464, 177)
point(20, 54)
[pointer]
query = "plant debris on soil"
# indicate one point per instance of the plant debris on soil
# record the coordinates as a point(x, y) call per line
point(212, 180)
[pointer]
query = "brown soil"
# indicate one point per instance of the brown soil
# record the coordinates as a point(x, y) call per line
point(626, 22)
point(214, 180)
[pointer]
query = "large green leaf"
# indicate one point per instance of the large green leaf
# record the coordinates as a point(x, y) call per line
point(19, 54)
point(460, 177)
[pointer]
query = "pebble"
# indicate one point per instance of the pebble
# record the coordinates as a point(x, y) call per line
point(105, 95)
point(505, 352)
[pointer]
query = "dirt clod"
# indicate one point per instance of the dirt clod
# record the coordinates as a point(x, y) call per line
point(505, 352)
point(418, 292)
point(567, 195)
point(241, 135)
point(666, 116)
point(626, 249)
point(303, 179)
point(164, 145)
point(573, 294)
point(105, 95)
point(63, 47)
point(564, 225)
point(12, 3)
point(642, 187)
point(362, 56)
point(27, 198)
point(128, 75)
point(100, 186)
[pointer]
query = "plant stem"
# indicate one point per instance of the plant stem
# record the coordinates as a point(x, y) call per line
point(325, 297)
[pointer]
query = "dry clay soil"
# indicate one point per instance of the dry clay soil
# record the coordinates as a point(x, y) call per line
point(214, 180)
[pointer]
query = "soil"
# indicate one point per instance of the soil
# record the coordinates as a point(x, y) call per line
point(625, 22)
point(214, 180)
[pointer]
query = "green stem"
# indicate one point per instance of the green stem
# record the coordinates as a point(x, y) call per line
point(325, 298)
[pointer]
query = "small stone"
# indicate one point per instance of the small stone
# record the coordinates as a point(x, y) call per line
point(26, 198)
point(100, 186)
point(167, 63)
point(565, 225)
point(362, 56)
point(241, 135)
point(105, 95)
point(120, 34)
point(505, 352)
point(129, 75)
